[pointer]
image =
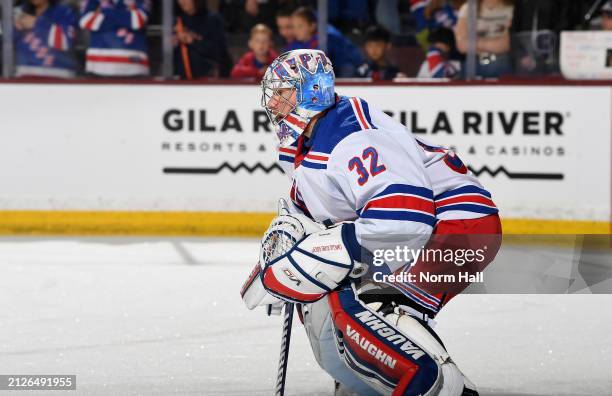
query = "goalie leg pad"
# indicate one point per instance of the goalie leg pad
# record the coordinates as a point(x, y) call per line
point(320, 332)
point(393, 353)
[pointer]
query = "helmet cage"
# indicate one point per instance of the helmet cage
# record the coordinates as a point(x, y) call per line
point(271, 87)
point(309, 76)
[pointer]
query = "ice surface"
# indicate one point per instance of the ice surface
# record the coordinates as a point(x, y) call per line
point(164, 316)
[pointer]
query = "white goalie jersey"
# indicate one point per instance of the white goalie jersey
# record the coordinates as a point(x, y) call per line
point(360, 165)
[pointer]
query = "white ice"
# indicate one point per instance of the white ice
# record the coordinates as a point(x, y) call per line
point(164, 316)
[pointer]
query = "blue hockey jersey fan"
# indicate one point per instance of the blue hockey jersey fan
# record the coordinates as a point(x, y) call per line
point(44, 50)
point(117, 44)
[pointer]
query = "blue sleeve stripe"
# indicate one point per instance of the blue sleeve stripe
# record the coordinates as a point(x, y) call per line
point(406, 189)
point(313, 165)
point(468, 208)
point(285, 158)
point(399, 215)
point(464, 190)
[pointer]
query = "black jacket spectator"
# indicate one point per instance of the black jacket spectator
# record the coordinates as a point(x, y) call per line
point(535, 29)
point(376, 48)
point(376, 72)
point(555, 15)
point(200, 40)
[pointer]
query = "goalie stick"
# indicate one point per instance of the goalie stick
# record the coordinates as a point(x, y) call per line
point(284, 350)
point(283, 208)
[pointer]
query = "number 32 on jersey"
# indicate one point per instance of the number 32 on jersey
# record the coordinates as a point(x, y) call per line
point(369, 155)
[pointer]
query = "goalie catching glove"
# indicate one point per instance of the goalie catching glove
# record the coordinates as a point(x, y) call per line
point(301, 261)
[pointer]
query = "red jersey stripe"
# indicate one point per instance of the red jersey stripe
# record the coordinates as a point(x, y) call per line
point(402, 202)
point(141, 21)
point(465, 199)
point(317, 157)
point(287, 150)
point(295, 121)
point(417, 294)
point(57, 38)
point(360, 116)
point(117, 59)
point(90, 22)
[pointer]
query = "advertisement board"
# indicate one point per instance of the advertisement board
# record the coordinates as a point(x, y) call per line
point(543, 151)
point(586, 55)
point(144, 147)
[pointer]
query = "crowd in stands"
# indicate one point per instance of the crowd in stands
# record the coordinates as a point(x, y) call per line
point(376, 39)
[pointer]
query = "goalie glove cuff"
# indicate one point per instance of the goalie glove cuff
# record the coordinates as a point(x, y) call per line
point(253, 292)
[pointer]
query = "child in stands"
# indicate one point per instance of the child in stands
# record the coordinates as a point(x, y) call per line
point(255, 62)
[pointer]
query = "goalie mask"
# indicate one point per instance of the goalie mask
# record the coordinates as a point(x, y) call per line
point(297, 86)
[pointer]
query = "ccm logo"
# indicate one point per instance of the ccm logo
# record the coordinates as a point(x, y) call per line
point(326, 248)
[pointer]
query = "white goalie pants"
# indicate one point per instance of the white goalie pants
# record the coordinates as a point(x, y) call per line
point(372, 353)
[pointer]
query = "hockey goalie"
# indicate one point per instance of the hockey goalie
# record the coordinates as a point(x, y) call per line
point(362, 184)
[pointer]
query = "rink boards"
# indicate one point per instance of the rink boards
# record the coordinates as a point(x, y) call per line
point(172, 159)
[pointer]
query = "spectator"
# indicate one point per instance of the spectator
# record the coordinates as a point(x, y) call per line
point(376, 48)
point(200, 45)
point(44, 39)
point(606, 16)
point(118, 42)
point(417, 10)
point(232, 12)
point(535, 29)
point(342, 52)
point(443, 13)
point(388, 16)
point(430, 15)
point(554, 15)
point(259, 11)
point(254, 63)
point(348, 15)
point(494, 18)
point(285, 27)
point(439, 63)
point(241, 15)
